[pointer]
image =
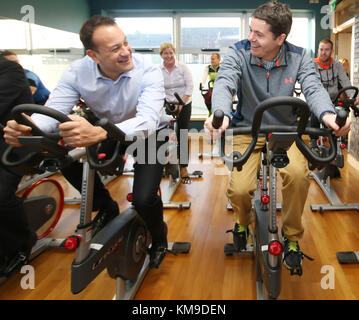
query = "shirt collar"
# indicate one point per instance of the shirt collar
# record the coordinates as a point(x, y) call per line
point(164, 68)
point(279, 60)
point(99, 75)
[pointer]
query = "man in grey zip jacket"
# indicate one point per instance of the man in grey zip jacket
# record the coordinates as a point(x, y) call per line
point(261, 67)
point(333, 77)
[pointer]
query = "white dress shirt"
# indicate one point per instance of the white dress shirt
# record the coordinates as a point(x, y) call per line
point(178, 80)
point(134, 102)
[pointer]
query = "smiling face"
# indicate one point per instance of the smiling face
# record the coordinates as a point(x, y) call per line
point(113, 53)
point(263, 42)
point(168, 56)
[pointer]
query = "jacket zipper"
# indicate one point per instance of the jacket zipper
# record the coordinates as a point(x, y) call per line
point(267, 81)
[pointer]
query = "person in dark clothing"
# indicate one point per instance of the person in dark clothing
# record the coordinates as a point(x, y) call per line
point(16, 236)
point(39, 91)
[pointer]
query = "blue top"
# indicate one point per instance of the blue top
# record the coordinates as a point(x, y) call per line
point(134, 101)
point(41, 93)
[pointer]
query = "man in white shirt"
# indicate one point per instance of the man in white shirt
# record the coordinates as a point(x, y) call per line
point(129, 91)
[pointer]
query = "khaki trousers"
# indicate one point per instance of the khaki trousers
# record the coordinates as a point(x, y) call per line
point(295, 177)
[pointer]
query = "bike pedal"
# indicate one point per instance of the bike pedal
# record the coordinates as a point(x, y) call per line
point(180, 247)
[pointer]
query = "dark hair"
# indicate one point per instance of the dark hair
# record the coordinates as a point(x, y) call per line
point(326, 41)
point(277, 15)
point(90, 26)
point(5, 53)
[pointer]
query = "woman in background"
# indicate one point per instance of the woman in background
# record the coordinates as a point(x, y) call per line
point(178, 78)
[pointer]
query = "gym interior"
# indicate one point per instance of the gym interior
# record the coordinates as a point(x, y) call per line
point(45, 37)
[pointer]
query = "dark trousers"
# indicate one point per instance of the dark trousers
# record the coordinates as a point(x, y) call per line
point(183, 123)
point(15, 232)
point(314, 123)
point(147, 179)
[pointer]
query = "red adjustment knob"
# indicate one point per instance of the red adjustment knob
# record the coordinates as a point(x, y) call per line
point(269, 135)
point(72, 242)
point(101, 156)
point(275, 248)
point(340, 103)
point(130, 197)
point(265, 199)
point(343, 146)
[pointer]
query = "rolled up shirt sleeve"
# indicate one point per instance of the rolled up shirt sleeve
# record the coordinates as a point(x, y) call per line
point(149, 107)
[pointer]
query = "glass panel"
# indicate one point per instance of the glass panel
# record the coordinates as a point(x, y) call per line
point(299, 33)
point(48, 67)
point(45, 38)
point(146, 32)
point(13, 34)
point(209, 32)
point(197, 63)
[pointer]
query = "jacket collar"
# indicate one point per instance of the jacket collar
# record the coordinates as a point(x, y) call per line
point(324, 66)
point(280, 60)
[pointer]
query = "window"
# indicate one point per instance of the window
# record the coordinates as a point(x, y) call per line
point(300, 33)
point(16, 36)
point(46, 51)
point(197, 35)
point(147, 33)
point(209, 32)
point(48, 38)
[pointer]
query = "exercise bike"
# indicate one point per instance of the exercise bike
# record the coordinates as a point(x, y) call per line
point(266, 245)
point(172, 167)
point(121, 246)
point(43, 201)
point(323, 175)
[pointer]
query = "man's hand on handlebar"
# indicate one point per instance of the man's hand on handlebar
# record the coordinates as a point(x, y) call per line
point(81, 133)
point(13, 130)
point(216, 133)
point(329, 120)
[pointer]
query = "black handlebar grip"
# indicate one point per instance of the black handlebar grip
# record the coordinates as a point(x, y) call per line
point(217, 119)
point(113, 131)
point(341, 118)
point(179, 99)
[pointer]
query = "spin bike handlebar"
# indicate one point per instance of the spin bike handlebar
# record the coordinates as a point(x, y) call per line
point(347, 103)
point(49, 141)
point(171, 107)
point(238, 160)
point(43, 143)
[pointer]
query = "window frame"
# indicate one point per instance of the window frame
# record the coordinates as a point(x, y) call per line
point(243, 15)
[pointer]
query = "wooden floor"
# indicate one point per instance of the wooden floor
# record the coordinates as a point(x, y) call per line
point(206, 273)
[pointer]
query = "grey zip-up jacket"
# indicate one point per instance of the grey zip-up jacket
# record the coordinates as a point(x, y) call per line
point(333, 76)
point(243, 73)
